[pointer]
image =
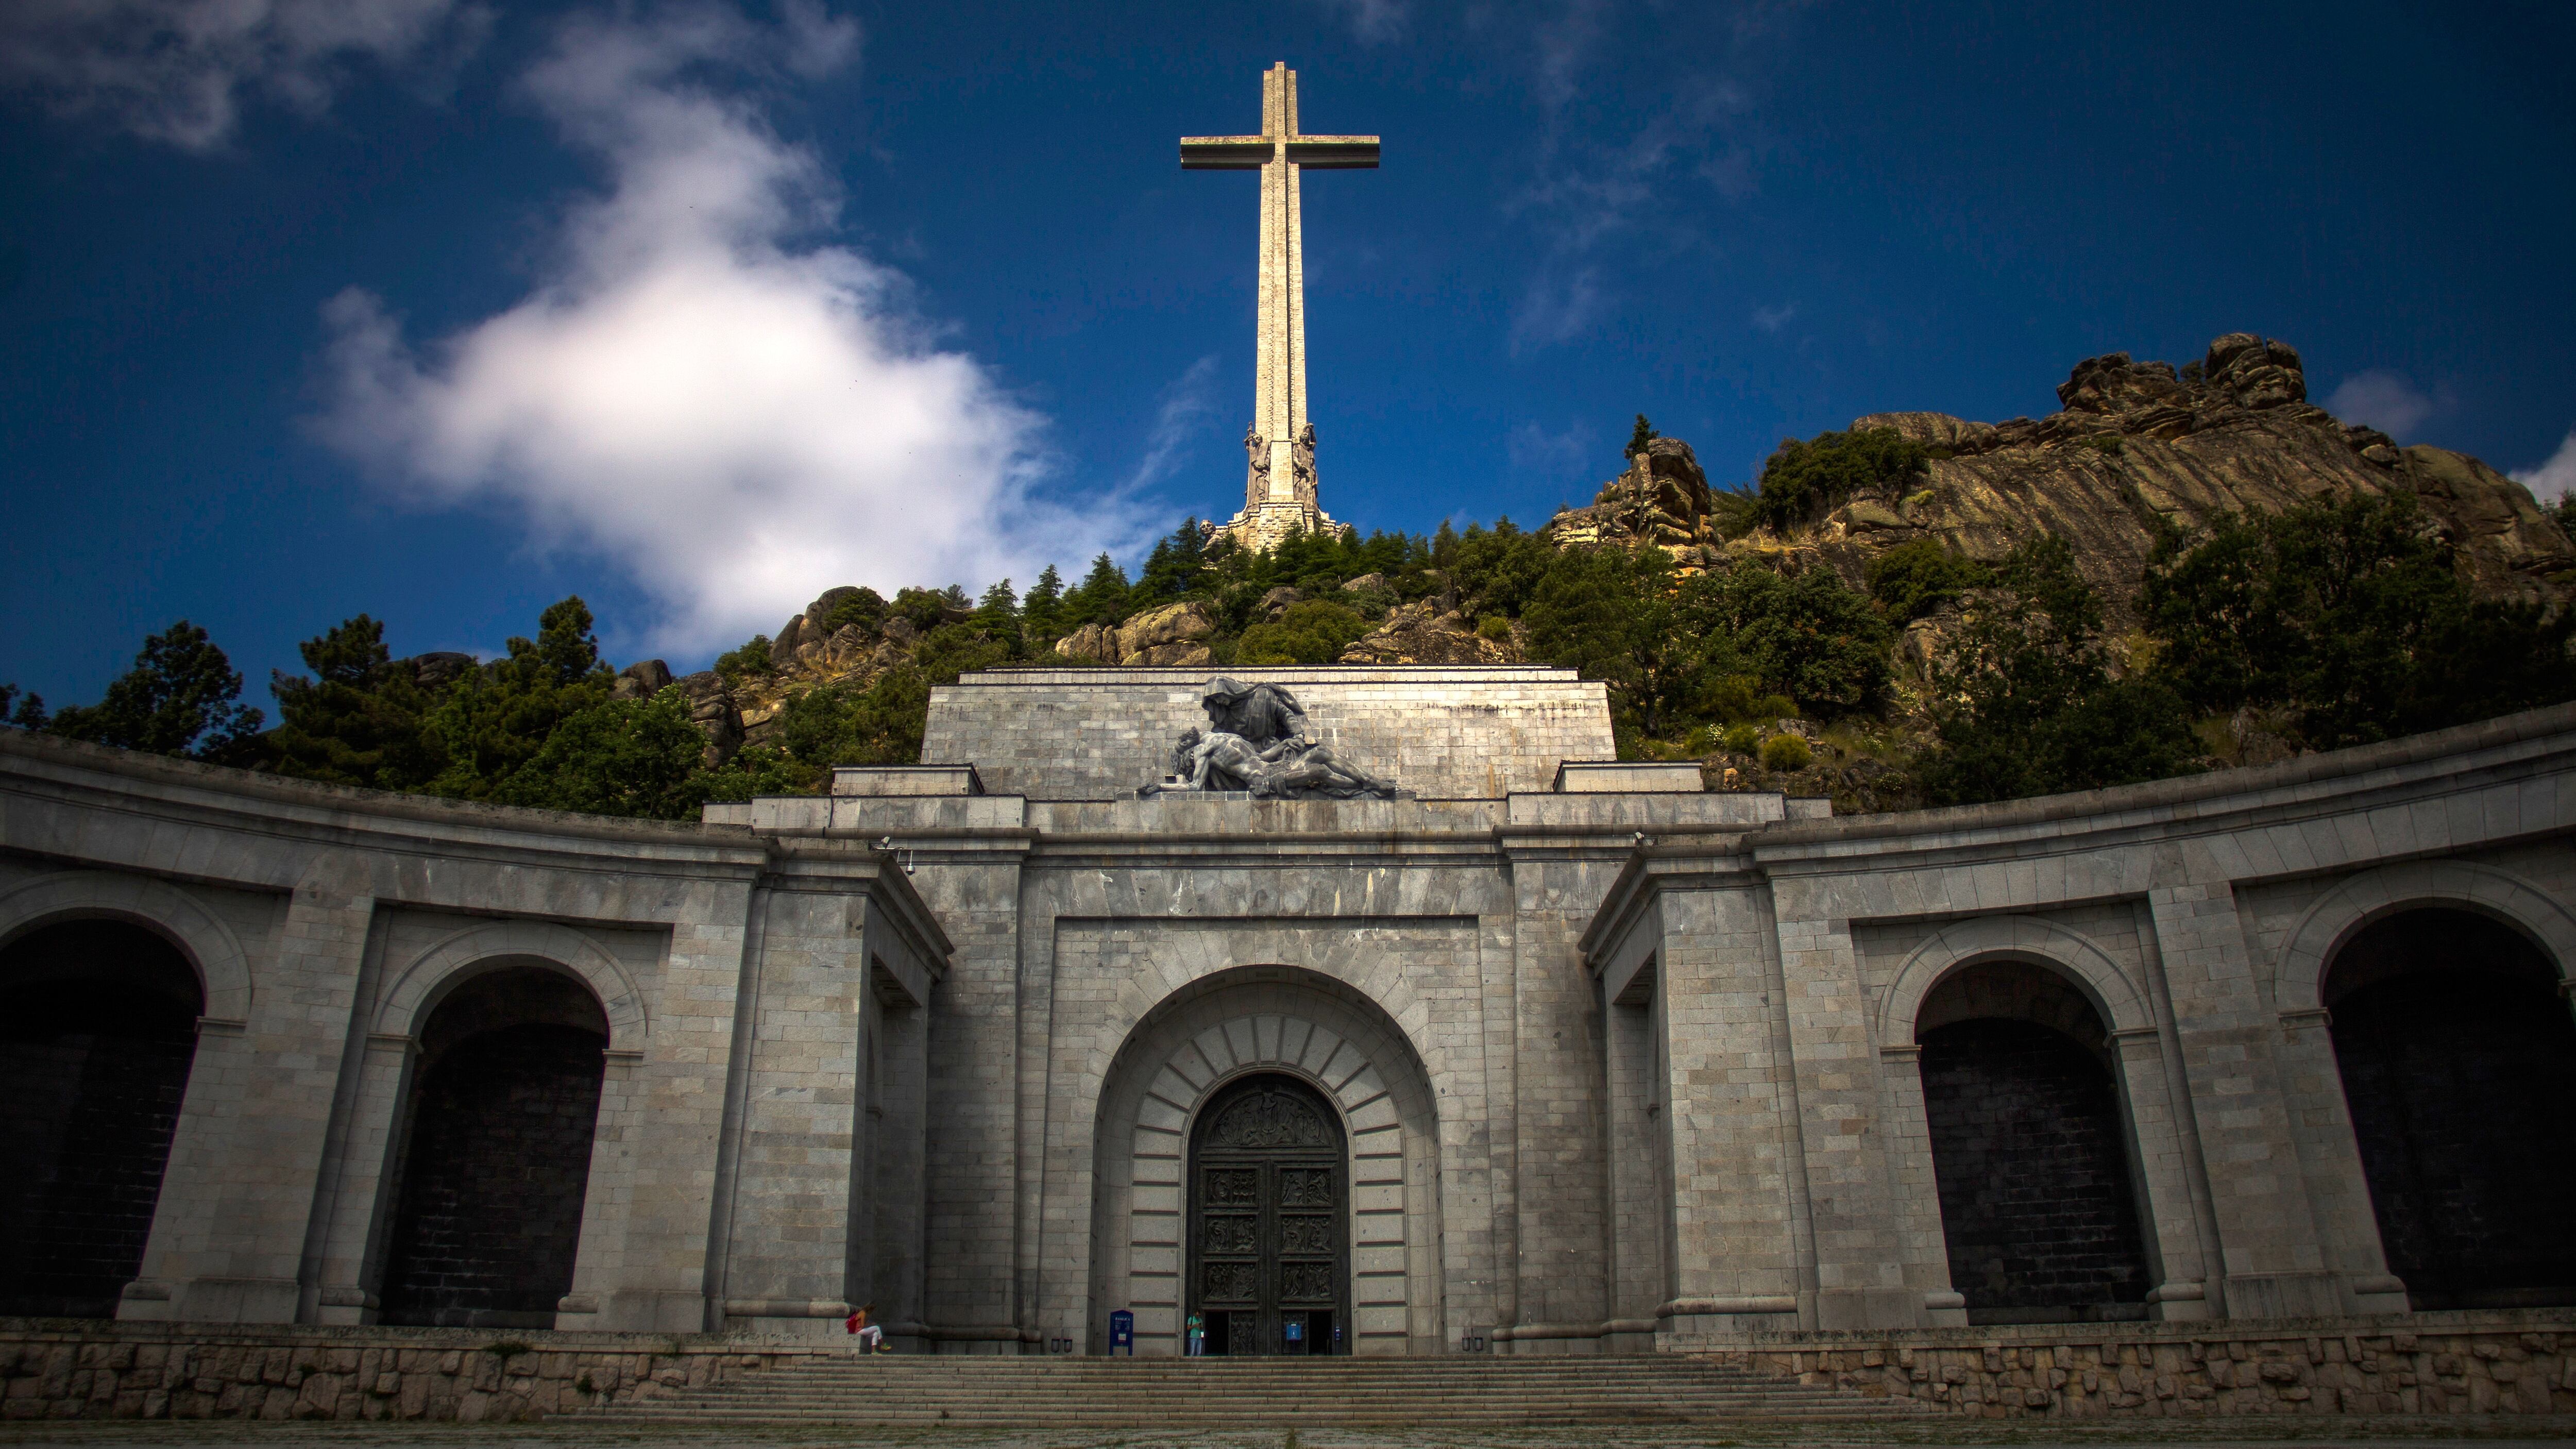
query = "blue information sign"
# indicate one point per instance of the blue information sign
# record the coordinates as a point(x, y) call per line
point(1122, 1332)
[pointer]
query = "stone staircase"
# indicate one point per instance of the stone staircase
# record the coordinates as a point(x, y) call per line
point(1100, 1393)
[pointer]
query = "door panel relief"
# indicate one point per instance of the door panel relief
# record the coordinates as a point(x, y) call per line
point(1269, 1205)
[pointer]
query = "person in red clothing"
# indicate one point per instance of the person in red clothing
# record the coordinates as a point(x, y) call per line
point(871, 1337)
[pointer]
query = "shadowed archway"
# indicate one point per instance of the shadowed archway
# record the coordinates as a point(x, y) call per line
point(499, 1124)
point(2458, 1058)
point(98, 1030)
point(2039, 1211)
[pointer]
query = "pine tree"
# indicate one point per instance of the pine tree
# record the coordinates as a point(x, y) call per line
point(1041, 613)
point(634, 757)
point(1645, 433)
point(357, 721)
point(21, 709)
point(1101, 597)
point(176, 700)
point(1174, 570)
point(494, 720)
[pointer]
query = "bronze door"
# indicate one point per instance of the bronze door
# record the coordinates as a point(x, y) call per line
point(1268, 1204)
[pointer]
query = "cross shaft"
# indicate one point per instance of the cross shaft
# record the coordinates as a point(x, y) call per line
point(1281, 471)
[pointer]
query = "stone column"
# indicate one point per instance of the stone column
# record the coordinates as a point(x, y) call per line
point(2330, 1162)
point(679, 1087)
point(608, 1198)
point(898, 1204)
point(1865, 1277)
point(787, 1207)
point(1916, 1200)
point(350, 1243)
point(1562, 1265)
point(1640, 1200)
point(1735, 1181)
point(986, 1107)
point(237, 1200)
point(2168, 1210)
point(2276, 1262)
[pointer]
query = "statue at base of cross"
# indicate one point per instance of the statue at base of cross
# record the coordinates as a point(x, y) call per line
point(1256, 743)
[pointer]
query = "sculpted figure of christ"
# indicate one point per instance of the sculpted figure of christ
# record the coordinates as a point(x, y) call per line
point(1256, 741)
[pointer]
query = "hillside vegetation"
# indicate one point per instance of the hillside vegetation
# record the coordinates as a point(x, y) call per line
point(2179, 572)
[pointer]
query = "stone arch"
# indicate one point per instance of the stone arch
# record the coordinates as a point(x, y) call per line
point(99, 1020)
point(2031, 1135)
point(477, 949)
point(2298, 987)
point(2122, 1006)
point(223, 968)
point(496, 1133)
point(1318, 1030)
point(2455, 1053)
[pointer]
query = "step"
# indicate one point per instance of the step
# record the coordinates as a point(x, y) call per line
point(1000, 1392)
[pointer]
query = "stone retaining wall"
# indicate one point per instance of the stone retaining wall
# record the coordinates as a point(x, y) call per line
point(51, 1369)
point(2519, 1362)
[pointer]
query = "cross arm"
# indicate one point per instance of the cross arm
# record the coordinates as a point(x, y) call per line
point(1333, 153)
point(1225, 153)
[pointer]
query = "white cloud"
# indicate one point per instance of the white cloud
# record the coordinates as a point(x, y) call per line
point(1772, 319)
point(2556, 477)
point(736, 418)
point(179, 71)
point(1373, 21)
point(1533, 449)
point(1558, 307)
point(1187, 405)
point(2384, 400)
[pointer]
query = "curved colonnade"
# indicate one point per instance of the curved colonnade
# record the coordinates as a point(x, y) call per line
point(1603, 1073)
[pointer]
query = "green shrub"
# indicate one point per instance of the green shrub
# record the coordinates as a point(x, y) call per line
point(1914, 579)
point(1786, 752)
point(1314, 632)
point(751, 658)
point(1803, 480)
point(1495, 627)
point(2026, 703)
point(1810, 638)
point(2348, 615)
point(1740, 739)
point(1607, 612)
point(1730, 697)
point(863, 606)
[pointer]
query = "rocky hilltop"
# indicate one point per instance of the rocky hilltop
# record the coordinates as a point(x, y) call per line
point(2134, 446)
point(2133, 443)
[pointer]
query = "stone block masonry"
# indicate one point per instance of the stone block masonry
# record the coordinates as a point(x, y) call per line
point(1623, 1071)
point(2505, 1362)
point(53, 1370)
point(1441, 733)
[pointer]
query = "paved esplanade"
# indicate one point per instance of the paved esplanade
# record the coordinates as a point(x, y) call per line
point(1279, 489)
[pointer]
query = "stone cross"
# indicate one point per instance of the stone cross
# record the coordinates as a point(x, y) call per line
point(1279, 378)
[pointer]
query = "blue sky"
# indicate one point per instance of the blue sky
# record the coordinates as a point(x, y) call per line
point(441, 309)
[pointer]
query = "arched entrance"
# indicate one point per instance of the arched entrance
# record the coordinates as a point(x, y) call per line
point(98, 1027)
point(2029, 1149)
point(1161, 1088)
point(2458, 1058)
point(501, 1115)
point(1269, 1203)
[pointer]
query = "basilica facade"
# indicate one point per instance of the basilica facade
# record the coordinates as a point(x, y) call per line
point(1549, 1054)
